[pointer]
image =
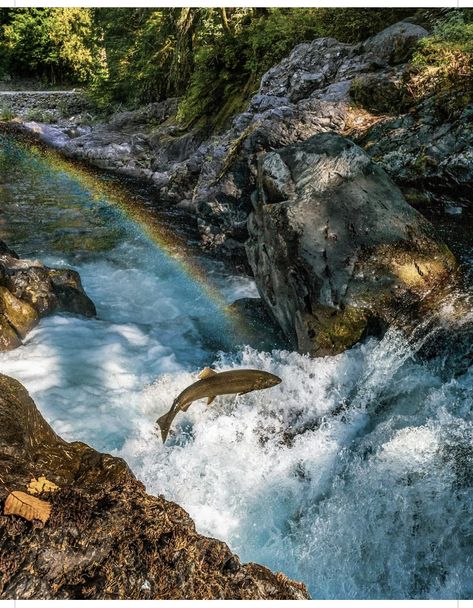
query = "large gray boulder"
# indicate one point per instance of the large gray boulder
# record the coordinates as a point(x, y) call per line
point(396, 43)
point(335, 248)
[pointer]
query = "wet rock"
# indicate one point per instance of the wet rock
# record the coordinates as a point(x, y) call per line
point(29, 290)
point(5, 250)
point(70, 294)
point(334, 247)
point(9, 338)
point(106, 538)
point(20, 314)
point(259, 328)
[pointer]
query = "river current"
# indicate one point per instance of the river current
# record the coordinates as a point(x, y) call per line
point(374, 503)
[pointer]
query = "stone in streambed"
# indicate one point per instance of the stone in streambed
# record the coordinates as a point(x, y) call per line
point(9, 339)
point(335, 249)
point(70, 293)
point(20, 315)
point(29, 290)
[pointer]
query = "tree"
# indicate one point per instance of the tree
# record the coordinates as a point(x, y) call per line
point(55, 44)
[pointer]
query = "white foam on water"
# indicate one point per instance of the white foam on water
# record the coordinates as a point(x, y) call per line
point(353, 475)
point(356, 505)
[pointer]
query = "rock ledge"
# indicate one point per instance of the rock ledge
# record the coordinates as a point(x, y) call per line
point(29, 290)
point(106, 538)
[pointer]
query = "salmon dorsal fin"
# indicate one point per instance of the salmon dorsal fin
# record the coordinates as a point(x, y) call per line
point(207, 372)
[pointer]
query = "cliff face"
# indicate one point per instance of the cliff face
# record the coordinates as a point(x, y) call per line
point(106, 538)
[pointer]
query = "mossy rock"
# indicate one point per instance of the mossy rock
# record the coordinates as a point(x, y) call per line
point(330, 332)
point(379, 94)
point(9, 339)
point(21, 315)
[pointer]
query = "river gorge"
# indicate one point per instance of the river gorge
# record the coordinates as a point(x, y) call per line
point(353, 475)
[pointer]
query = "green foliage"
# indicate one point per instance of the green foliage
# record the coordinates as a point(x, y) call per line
point(37, 115)
point(54, 44)
point(148, 54)
point(213, 58)
point(356, 24)
point(6, 113)
point(228, 66)
point(443, 64)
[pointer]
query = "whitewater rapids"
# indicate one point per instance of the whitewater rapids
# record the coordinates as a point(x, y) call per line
point(375, 501)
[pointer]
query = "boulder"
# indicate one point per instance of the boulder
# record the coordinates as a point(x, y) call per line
point(20, 314)
point(335, 249)
point(29, 290)
point(396, 43)
point(106, 538)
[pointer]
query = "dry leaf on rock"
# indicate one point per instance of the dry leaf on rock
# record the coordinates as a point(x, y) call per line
point(26, 506)
point(36, 486)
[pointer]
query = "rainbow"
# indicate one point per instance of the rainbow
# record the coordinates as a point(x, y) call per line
point(146, 218)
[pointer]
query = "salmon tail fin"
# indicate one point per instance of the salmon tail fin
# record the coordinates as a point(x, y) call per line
point(164, 423)
point(207, 372)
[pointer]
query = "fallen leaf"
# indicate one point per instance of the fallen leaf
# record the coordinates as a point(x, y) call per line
point(26, 506)
point(37, 486)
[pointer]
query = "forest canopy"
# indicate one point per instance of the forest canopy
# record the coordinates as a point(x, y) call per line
point(212, 58)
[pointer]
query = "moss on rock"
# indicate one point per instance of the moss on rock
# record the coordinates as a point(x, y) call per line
point(21, 315)
point(330, 332)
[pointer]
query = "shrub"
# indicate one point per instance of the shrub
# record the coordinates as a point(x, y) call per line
point(356, 24)
point(6, 113)
point(228, 67)
point(443, 64)
point(38, 115)
point(55, 44)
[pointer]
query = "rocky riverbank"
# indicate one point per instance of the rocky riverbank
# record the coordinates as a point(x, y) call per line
point(106, 538)
point(29, 290)
point(49, 106)
point(322, 86)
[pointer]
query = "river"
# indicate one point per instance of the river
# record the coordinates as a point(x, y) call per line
point(374, 503)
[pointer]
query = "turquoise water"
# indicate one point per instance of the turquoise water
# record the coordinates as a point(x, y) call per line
point(376, 503)
point(154, 316)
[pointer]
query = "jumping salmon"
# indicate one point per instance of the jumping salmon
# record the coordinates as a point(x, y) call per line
point(212, 384)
